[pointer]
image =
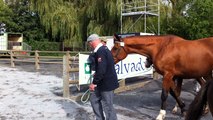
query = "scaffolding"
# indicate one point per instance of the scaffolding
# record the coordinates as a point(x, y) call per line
point(141, 9)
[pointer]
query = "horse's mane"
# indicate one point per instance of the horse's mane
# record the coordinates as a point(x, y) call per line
point(165, 38)
point(154, 36)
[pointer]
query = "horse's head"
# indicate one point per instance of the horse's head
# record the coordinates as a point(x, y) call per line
point(118, 50)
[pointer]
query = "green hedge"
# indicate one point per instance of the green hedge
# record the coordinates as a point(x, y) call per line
point(45, 46)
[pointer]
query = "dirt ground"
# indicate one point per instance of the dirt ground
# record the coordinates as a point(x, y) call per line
point(29, 94)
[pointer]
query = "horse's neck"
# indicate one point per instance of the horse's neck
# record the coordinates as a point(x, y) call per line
point(149, 48)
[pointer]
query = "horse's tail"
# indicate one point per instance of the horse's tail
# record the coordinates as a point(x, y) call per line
point(198, 104)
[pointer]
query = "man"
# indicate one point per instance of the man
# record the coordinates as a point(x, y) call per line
point(91, 58)
point(104, 81)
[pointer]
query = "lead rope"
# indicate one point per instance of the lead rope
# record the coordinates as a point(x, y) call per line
point(86, 95)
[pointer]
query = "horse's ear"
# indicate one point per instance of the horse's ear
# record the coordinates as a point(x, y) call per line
point(116, 37)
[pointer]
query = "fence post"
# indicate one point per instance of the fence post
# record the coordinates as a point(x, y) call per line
point(37, 60)
point(122, 83)
point(12, 59)
point(66, 69)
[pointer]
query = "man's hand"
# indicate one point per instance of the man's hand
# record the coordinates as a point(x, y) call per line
point(92, 87)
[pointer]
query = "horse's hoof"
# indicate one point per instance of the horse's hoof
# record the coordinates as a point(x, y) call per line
point(175, 109)
point(160, 118)
point(161, 115)
point(206, 110)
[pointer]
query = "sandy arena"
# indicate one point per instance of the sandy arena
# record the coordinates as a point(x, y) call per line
point(27, 94)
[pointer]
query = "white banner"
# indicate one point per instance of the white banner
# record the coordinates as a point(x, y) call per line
point(133, 65)
point(85, 72)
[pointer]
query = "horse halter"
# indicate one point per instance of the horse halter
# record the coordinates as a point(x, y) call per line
point(118, 51)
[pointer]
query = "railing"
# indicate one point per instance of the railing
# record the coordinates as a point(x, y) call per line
point(36, 57)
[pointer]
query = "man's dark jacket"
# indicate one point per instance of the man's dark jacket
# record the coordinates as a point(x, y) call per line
point(105, 76)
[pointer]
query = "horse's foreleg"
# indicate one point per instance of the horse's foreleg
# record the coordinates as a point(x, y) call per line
point(175, 109)
point(162, 113)
point(167, 79)
point(178, 89)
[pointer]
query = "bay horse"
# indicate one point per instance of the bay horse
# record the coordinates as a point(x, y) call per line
point(203, 97)
point(173, 57)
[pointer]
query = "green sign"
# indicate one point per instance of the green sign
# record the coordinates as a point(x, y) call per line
point(87, 68)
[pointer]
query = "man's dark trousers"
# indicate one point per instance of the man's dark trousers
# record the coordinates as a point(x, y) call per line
point(103, 101)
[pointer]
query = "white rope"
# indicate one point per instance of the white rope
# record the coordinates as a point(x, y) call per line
point(86, 95)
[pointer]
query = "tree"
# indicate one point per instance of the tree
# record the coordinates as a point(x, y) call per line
point(74, 20)
point(18, 18)
point(175, 20)
point(101, 17)
point(190, 19)
point(200, 19)
point(27, 21)
point(58, 17)
point(6, 15)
